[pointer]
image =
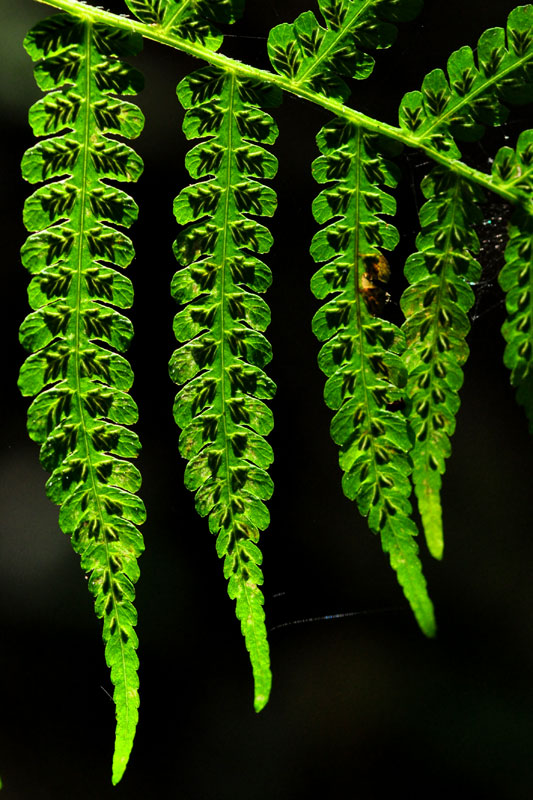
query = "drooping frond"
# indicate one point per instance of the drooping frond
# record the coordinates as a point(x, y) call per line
point(515, 168)
point(436, 305)
point(221, 408)
point(361, 357)
point(477, 90)
point(319, 57)
point(476, 93)
point(194, 20)
point(81, 384)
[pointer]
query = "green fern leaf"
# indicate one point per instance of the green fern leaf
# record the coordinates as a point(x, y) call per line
point(82, 404)
point(361, 356)
point(474, 94)
point(320, 57)
point(515, 168)
point(220, 408)
point(194, 21)
point(436, 305)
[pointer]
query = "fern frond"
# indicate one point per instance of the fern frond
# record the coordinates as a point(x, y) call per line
point(477, 90)
point(436, 305)
point(361, 357)
point(82, 404)
point(515, 168)
point(193, 21)
point(220, 408)
point(319, 57)
point(476, 93)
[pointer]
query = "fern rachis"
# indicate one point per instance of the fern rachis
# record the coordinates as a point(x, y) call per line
point(395, 407)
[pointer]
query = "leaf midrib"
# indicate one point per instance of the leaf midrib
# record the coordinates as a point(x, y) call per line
point(78, 339)
point(359, 301)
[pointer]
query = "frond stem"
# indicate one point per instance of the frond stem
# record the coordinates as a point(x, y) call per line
point(158, 34)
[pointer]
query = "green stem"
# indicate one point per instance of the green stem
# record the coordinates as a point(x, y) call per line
point(157, 34)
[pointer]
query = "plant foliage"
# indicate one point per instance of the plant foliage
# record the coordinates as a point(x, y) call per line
point(82, 406)
point(194, 21)
point(515, 168)
point(320, 58)
point(436, 306)
point(221, 408)
point(394, 390)
point(440, 273)
point(361, 356)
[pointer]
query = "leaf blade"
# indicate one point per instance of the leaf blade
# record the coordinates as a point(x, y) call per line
point(224, 351)
point(80, 416)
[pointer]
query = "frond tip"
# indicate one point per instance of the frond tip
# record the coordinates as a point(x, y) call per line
point(82, 406)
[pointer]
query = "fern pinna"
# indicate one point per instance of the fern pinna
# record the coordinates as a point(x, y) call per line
point(515, 168)
point(394, 391)
point(440, 273)
point(191, 21)
point(221, 408)
point(322, 57)
point(361, 357)
point(82, 405)
point(435, 306)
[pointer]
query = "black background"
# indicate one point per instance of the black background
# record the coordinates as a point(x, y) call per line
point(362, 706)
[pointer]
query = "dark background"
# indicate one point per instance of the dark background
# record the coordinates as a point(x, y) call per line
point(362, 706)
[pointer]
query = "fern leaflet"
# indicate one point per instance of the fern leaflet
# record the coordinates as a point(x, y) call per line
point(474, 96)
point(435, 306)
point(321, 57)
point(220, 408)
point(82, 404)
point(439, 298)
point(374, 370)
point(361, 356)
point(194, 21)
point(516, 278)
